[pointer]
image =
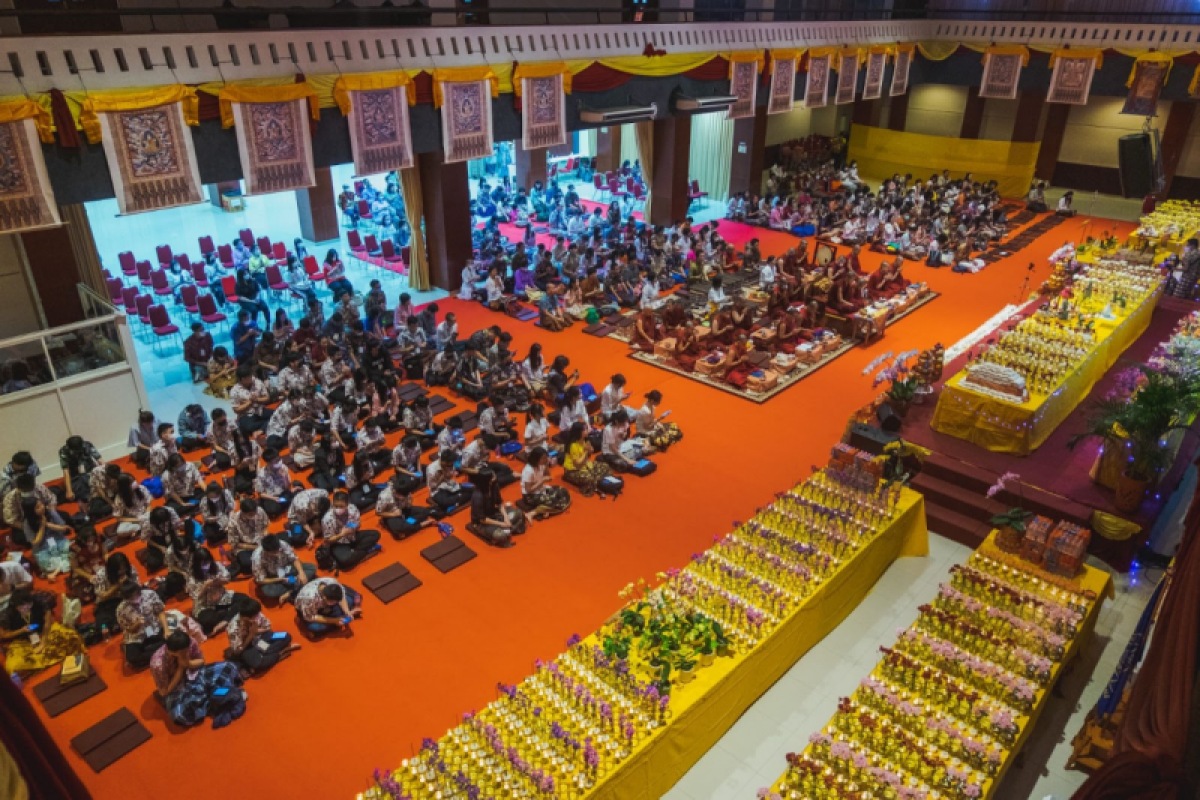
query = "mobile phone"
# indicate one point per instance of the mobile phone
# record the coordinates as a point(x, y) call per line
point(346, 620)
point(220, 692)
point(278, 635)
point(33, 626)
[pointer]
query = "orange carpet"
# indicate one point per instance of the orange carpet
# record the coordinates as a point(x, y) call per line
point(323, 720)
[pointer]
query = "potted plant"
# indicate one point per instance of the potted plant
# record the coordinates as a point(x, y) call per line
point(1011, 524)
point(1139, 425)
point(902, 381)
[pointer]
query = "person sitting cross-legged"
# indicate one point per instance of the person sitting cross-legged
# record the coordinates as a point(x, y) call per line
point(323, 605)
point(278, 571)
point(395, 508)
point(348, 544)
point(252, 644)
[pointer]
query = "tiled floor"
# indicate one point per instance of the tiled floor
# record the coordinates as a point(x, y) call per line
point(751, 755)
point(166, 376)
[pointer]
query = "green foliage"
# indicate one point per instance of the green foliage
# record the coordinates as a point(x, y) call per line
point(1014, 518)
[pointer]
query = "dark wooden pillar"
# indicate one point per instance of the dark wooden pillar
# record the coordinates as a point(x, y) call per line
point(749, 141)
point(1052, 139)
point(1174, 138)
point(447, 205)
point(608, 148)
point(867, 112)
point(318, 209)
point(973, 114)
point(898, 112)
point(56, 274)
point(669, 183)
point(1029, 116)
point(530, 164)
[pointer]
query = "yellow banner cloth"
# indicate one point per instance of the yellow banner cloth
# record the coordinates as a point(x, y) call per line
point(24, 108)
point(366, 81)
point(237, 93)
point(541, 69)
point(98, 102)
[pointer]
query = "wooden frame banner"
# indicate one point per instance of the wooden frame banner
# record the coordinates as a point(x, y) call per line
point(466, 120)
point(743, 84)
point(1071, 81)
point(543, 119)
point(783, 84)
point(275, 146)
point(873, 84)
point(151, 156)
point(904, 56)
point(848, 63)
point(1002, 72)
point(816, 87)
point(376, 107)
point(26, 200)
point(1145, 86)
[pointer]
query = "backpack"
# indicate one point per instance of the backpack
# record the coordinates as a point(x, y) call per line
point(324, 557)
point(611, 485)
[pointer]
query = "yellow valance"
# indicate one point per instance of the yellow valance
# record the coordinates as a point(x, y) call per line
point(745, 57)
point(933, 50)
point(657, 66)
point(784, 55)
point(1078, 52)
point(97, 103)
point(462, 75)
point(820, 52)
point(25, 108)
point(1152, 57)
point(1009, 50)
point(905, 47)
point(541, 69)
point(885, 49)
point(239, 93)
point(849, 52)
point(366, 81)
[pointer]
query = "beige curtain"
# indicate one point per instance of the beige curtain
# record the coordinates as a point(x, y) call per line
point(87, 259)
point(644, 131)
point(418, 268)
point(629, 151)
point(587, 142)
point(710, 159)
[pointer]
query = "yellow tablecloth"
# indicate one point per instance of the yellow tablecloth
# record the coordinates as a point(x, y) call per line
point(1094, 580)
point(703, 710)
point(1021, 428)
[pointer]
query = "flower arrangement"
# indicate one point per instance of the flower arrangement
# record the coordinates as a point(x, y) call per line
point(902, 381)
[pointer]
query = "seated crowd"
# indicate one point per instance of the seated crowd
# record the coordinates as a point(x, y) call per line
point(249, 507)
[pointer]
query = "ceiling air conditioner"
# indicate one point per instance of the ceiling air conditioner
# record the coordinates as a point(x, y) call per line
point(617, 116)
point(703, 105)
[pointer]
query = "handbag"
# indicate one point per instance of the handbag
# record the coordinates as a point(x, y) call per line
point(71, 610)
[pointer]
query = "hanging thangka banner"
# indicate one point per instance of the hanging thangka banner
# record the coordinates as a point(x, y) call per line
point(465, 97)
point(543, 88)
point(848, 61)
point(783, 81)
point(273, 135)
point(26, 202)
point(376, 105)
point(816, 89)
point(876, 64)
point(151, 157)
point(1145, 83)
point(1071, 81)
point(904, 57)
point(744, 68)
point(1002, 71)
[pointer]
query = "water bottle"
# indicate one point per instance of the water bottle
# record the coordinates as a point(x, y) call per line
point(104, 632)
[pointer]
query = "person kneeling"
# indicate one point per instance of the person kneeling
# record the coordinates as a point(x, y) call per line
point(324, 605)
point(191, 690)
point(278, 572)
point(252, 643)
point(399, 515)
point(492, 519)
point(540, 497)
point(348, 545)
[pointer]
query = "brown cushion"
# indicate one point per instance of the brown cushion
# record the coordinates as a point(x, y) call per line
point(110, 739)
point(56, 698)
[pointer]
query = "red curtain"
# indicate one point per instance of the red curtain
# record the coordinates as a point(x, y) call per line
point(598, 78)
point(42, 764)
point(1150, 748)
point(715, 70)
point(68, 136)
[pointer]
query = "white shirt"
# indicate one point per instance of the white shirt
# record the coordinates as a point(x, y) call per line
point(611, 399)
point(530, 476)
point(716, 296)
point(569, 415)
point(536, 432)
point(649, 293)
point(468, 283)
point(766, 276)
point(495, 289)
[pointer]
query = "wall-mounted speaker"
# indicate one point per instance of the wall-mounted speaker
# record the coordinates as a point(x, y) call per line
point(1135, 154)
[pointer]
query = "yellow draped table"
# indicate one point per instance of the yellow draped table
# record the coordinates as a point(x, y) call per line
point(1099, 585)
point(705, 709)
point(1020, 428)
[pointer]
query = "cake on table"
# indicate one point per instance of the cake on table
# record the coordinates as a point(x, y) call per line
point(995, 379)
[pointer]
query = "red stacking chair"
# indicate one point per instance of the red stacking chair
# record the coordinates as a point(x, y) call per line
point(107, 275)
point(144, 301)
point(128, 263)
point(115, 288)
point(695, 193)
point(275, 279)
point(187, 294)
point(206, 246)
point(279, 252)
point(143, 272)
point(638, 195)
point(313, 269)
point(372, 245)
point(208, 309)
point(185, 263)
point(225, 255)
point(355, 241)
point(158, 280)
point(570, 168)
point(161, 325)
point(264, 245)
point(629, 184)
point(614, 188)
point(164, 254)
point(599, 185)
point(358, 188)
point(389, 253)
point(200, 276)
point(364, 210)
point(129, 297)
point(405, 255)
point(229, 287)
point(247, 237)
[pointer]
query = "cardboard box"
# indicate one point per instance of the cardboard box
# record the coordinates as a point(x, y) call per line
point(764, 382)
point(665, 348)
point(707, 367)
point(764, 335)
point(784, 363)
point(808, 353)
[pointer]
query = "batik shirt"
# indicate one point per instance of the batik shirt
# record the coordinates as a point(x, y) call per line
point(240, 394)
point(407, 459)
point(163, 665)
point(343, 422)
point(475, 455)
point(218, 511)
point(140, 507)
point(247, 530)
point(138, 617)
point(98, 482)
point(304, 506)
point(335, 519)
point(418, 419)
point(273, 480)
point(159, 453)
point(184, 480)
point(13, 514)
point(450, 439)
point(299, 440)
point(100, 579)
point(331, 373)
point(281, 419)
point(149, 531)
point(221, 436)
point(440, 477)
point(266, 566)
point(239, 631)
point(295, 378)
point(371, 439)
point(309, 602)
point(211, 592)
point(390, 503)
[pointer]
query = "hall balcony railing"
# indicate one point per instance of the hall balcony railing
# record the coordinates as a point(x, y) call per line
point(31, 64)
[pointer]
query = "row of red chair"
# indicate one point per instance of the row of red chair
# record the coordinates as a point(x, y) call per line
point(370, 246)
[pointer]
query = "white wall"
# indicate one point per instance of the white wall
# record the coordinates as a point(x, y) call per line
point(18, 308)
point(1093, 130)
point(935, 109)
